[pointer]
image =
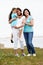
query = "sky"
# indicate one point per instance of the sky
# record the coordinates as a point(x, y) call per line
point(35, 7)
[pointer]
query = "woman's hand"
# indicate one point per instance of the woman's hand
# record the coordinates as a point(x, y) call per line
point(31, 23)
point(15, 27)
point(26, 23)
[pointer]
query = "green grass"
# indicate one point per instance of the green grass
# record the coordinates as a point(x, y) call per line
point(7, 57)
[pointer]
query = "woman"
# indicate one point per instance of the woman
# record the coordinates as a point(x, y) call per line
point(17, 31)
point(28, 32)
point(20, 25)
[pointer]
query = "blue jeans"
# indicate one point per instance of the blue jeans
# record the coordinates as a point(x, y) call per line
point(28, 38)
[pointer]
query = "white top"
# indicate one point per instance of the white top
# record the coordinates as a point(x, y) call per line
point(20, 20)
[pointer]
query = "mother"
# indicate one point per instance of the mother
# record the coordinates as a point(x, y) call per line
point(17, 30)
point(28, 32)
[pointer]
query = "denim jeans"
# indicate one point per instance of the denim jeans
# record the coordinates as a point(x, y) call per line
point(28, 38)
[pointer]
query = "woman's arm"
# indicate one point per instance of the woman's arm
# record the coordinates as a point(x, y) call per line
point(22, 24)
point(31, 23)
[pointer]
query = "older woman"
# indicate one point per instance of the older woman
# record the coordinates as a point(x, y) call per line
point(28, 32)
point(17, 24)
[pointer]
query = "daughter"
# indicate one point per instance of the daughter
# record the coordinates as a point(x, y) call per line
point(13, 20)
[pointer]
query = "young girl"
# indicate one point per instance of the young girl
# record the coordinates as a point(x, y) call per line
point(13, 20)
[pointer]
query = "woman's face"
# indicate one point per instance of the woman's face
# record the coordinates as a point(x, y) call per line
point(18, 12)
point(26, 13)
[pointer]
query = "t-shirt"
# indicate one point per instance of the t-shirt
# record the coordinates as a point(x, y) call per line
point(19, 21)
point(28, 28)
point(14, 22)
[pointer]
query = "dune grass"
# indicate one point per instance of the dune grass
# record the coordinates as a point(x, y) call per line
point(7, 57)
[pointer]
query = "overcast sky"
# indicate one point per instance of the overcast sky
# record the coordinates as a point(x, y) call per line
point(36, 8)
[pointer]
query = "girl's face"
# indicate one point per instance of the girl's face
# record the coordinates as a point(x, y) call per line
point(26, 13)
point(15, 11)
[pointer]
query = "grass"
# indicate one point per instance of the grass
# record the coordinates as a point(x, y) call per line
point(7, 57)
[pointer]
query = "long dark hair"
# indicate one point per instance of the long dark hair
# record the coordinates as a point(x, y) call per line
point(24, 12)
point(11, 13)
point(20, 11)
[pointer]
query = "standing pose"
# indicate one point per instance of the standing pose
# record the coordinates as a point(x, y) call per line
point(16, 32)
point(28, 32)
point(19, 26)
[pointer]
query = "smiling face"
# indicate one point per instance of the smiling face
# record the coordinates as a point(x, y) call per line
point(19, 12)
point(26, 13)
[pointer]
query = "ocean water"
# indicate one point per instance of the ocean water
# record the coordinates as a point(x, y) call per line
point(37, 42)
